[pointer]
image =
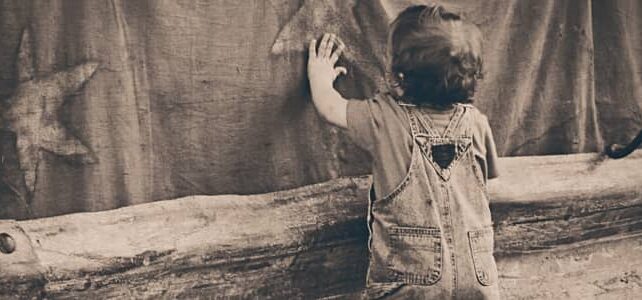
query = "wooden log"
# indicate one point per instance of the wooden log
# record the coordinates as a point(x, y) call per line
point(310, 242)
point(546, 202)
point(281, 245)
point(605, 269)
point(20, 270)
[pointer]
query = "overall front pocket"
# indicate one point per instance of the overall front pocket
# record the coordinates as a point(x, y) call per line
point(415, 255)
point(481, 247)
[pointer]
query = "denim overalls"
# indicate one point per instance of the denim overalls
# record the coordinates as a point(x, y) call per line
point(431, 238)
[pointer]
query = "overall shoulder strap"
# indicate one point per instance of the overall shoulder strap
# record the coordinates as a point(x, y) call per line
point(456, 121)
point(422, 124)
point(414, 127)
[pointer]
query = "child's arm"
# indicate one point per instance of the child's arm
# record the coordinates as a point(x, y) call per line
point(322, 73)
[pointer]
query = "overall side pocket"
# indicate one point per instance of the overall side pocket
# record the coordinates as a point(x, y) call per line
point(415, 255)
point(481, 248)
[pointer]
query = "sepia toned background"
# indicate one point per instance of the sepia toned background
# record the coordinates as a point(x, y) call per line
point(210, 97)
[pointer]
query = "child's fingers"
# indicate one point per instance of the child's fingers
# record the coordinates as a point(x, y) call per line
point(340, 43)
point(331, 42)
point(337, 52)
point(340, 70)
point(312, 49)
point(330, 45)
point(323, 47)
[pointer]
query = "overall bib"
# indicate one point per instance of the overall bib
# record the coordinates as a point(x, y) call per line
point(431, 238)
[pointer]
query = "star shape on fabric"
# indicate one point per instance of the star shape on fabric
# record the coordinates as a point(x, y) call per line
point(362, 26)
point(32, 113)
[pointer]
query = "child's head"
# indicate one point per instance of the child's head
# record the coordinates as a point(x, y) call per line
point(435, 56)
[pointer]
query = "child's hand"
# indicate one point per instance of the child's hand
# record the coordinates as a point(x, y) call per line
point(322, 73)
point(321, 70)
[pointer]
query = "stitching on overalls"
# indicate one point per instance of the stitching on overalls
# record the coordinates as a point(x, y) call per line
point(431, 137)
point(400, 218)
point(413, 161)
point(480, 242)
point(477, 173)
point(448, 232)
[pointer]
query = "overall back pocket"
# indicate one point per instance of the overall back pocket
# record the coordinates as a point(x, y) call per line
point(415, 255)
point(481, 247)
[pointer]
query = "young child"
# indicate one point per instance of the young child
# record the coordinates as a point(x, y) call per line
point(429, 217)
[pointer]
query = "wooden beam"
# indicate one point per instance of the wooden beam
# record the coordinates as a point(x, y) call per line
point(546, 202)
point(20, 270)
point(310, 242)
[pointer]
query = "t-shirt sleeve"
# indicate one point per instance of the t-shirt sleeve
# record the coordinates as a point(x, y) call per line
point(362, 123)
point(369, 120)
point(491, 151)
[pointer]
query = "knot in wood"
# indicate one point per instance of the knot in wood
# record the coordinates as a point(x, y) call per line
point(7, 243)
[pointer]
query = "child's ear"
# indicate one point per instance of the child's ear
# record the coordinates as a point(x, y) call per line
point(395, 79)
point(394, 87)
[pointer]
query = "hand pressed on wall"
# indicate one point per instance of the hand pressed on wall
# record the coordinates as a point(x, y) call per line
point(322, 73)
point(321, 64)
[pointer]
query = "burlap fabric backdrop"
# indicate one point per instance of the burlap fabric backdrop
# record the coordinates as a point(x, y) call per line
point(112, 103)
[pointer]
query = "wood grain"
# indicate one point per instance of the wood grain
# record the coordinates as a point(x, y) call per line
point(310, 242)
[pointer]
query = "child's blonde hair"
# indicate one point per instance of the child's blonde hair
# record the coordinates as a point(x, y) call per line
point(435, 56)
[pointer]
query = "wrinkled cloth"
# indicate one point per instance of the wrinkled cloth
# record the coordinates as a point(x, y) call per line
point(211, 97)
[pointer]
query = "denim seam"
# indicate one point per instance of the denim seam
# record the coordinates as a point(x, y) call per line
point(474, 238)
point(412, 278)
point(449, 233)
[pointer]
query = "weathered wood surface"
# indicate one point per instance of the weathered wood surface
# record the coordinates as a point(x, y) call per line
point(606, 269)
point(285, 245)
point(544, 202)
point(552, 215)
